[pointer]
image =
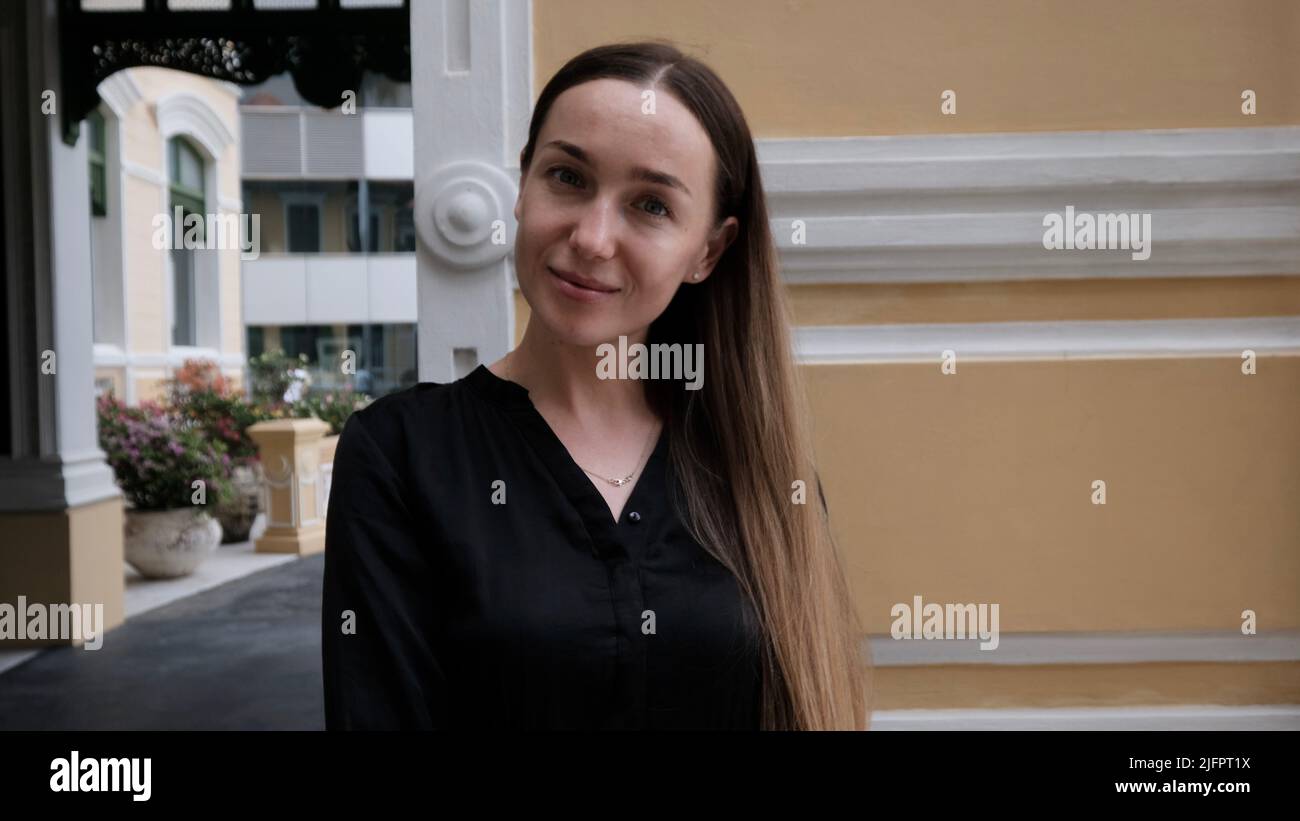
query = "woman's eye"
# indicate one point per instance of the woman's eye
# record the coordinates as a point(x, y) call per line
point(656, 201)
point(554, 172)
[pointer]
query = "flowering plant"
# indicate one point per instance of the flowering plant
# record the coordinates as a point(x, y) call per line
point(332, 408)
point(203, 398)
point(157, 457)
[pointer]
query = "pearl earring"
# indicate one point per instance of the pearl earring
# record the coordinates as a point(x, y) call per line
point(695, 275)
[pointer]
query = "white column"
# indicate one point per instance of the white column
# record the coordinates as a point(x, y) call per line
point(471, 76)
point(56, 462)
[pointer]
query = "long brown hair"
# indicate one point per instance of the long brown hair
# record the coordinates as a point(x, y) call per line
point(740, 443)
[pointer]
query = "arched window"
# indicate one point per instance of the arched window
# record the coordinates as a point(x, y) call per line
point(186, 191)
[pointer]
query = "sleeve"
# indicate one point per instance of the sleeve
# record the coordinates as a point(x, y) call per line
point(377, 616)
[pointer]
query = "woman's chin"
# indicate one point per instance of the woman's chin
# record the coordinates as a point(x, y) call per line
point(571, 328)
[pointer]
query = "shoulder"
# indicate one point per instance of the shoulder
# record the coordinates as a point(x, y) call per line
point(395, 423)
point(393, 408)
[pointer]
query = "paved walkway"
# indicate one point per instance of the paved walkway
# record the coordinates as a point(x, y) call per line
point(241, 656)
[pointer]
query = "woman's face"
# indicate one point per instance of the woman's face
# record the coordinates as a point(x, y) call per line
point(619, 200)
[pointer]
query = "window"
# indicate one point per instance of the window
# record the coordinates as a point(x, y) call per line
point(372, 238)
point(186, 166)
point(183, 318)
point(98, 169)
point(404, 229)
point(385, 355)
point(392, 218)
point(302, 220)
point(256, 340)
point(186, 190)
point(301, 339)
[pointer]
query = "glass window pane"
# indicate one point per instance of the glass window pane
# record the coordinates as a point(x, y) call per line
point(188, 166)
point(183, 297)
point(304, 228)
point(256, 340)
point(404, 230)
point(189, 205)
point(98, 189)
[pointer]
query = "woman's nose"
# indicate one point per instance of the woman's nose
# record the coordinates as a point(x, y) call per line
point(593, 236)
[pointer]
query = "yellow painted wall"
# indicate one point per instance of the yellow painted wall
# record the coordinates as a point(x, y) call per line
point(812, 68)
point(64, 556)
point(977, 487)
point(118, 375)
point(1046, 300)
point(146, 307)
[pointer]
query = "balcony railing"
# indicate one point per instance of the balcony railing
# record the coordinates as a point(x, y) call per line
point(319, 289)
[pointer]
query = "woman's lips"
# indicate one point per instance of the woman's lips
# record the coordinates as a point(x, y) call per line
point(570, 287)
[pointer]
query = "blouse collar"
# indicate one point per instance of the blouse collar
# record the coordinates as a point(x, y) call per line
point(494, 388)
point(648, 488)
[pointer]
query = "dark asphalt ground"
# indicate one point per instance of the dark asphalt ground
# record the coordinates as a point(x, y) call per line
point(242, 656)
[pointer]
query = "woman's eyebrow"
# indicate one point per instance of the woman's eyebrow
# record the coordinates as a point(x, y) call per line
point(638, 172)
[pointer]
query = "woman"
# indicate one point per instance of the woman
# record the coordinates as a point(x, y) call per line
point(537, 546)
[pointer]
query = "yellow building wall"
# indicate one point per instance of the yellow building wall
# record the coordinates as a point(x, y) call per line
point(879, 67)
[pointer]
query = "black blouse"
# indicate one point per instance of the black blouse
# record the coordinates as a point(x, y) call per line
point(541, 612)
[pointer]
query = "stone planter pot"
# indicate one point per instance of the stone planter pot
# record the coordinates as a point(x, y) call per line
point(236, 517)
point(165, 544)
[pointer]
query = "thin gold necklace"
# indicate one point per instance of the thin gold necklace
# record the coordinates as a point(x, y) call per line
point(645, 453)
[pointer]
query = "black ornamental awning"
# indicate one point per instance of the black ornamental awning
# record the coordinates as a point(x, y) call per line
point(325, 47)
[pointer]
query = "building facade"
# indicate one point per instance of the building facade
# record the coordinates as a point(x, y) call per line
point(162, 140)
point(336, 270)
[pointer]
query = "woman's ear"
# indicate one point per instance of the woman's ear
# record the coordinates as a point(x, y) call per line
point(718, 242)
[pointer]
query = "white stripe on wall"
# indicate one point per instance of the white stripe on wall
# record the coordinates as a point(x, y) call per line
point(1072, 339)
point(1090, 648)
point(1180, 717)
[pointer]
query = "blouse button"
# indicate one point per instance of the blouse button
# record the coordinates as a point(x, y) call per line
point(634, 516)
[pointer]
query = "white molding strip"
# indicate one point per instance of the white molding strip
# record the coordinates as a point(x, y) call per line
point(56, 483)
point(1180, 717)
point(110, 356)
point(1090, 648)
point(966, 207)
point(1074, 339)
point(120, 92)
point(184, 113)
point(144, 172)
